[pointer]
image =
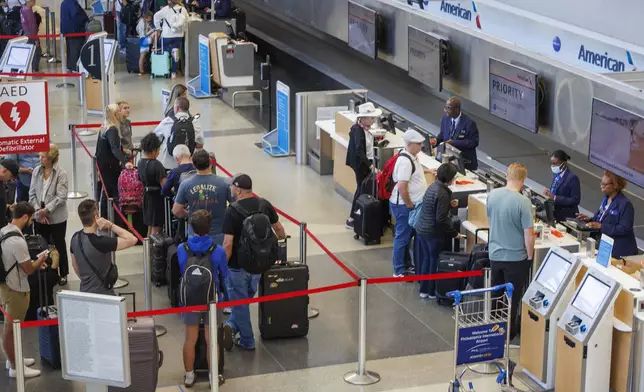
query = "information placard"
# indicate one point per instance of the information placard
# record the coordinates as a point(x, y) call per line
point(425, 57)
point(513, 94)
point(24, 117)
point(362, 29)
point(283, 114)
point(481, 343)
point(605, 250)
point(93, 338)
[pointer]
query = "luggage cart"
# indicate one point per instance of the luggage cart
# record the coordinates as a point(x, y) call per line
point(482, 332)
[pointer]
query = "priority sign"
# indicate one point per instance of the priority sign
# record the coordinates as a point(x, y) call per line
point(24, 117)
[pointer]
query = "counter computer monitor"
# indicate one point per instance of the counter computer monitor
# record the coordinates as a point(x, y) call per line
point(590, 296)
point(553, 271)
point(18, 57)
point(457, 157)
point(391, 124)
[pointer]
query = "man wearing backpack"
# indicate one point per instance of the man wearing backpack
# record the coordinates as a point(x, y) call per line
point(173, 20)
point(204, 269)
point(14, 286)
point(180, 128)
point(243, 252)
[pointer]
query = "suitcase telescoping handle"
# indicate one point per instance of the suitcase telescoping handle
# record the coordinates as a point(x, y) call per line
point(133, 295)
point(375, 173)
point(476, 234)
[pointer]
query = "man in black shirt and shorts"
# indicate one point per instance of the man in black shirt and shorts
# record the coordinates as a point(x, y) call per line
point(241, 284)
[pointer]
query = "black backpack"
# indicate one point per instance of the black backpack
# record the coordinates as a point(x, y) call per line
point(11, 24)
point(197, 283)
point(183, 132)
point(258, 250)
point(4, 273)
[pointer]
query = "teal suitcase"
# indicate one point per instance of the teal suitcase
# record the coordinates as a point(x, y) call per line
point(160, 64)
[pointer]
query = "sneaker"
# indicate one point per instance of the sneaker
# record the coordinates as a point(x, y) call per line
point(174, 75)
point(29, 373)
point(189, 379)
point(431, 296)
point(227, 310)
point(62, 281)
point(349, 224)
point(238, 344)
point(410, 271)
point(424, 295)
point(399, 276)
point(26, 361)
point(227, 342)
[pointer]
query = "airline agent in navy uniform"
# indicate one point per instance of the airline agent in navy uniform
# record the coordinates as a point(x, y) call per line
point(565, 189)
point(360, 150)
point(615, 216)
point(460, 131)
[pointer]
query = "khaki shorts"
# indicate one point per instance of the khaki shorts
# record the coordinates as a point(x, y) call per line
point(15, 303)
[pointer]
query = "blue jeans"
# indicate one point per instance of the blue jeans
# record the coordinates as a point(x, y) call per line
point(430, 248)
point(122, 33)
point(242, 285)
point(402, 236)
point(169, 44)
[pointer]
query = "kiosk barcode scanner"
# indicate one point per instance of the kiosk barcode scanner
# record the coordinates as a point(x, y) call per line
point(585, 336)
point(543, 303)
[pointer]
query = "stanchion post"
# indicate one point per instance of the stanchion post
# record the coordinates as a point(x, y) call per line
point(120, 283)
point(63, 60)
point(54, 57)
point(362, 376)
point(47, 39)
point(487, 297)
point(94, 186)
point(74, 193)
point(147, 287)
point(19, 361)
point(312, 312)
point(214, 344)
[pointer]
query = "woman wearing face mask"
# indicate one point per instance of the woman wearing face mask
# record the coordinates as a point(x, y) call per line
point(616, 216)
point(565, 189)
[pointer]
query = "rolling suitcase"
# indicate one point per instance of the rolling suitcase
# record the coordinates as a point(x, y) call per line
point(201, 350)
point(160, 243)
point(450, 262)
point(284, 318)
point(160, 63)
point(173, 276)
point(48, 339)
point(368, 219)
point(132, 54)
point(145, 356)
point(479, 259)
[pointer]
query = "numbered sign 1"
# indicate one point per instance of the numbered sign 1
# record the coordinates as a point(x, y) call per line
point(91, 58)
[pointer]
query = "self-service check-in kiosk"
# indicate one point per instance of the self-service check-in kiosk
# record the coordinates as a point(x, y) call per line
point(17, 58)
point(585, 336)
point(96, 63)
point(543, 303)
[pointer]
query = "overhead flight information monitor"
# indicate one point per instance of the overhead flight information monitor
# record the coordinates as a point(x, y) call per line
point(513, 94)
point(363, 29)
point(425, 57)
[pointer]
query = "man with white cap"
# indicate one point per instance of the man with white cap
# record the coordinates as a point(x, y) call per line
point(360, 150)
point(409, 177)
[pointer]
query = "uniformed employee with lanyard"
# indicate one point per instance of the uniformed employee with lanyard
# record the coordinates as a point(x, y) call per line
point(616, 216)
point(460, 131)
point(565, 189)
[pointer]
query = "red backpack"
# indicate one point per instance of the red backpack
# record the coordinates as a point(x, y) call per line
point(385, 178)
point(130, 188)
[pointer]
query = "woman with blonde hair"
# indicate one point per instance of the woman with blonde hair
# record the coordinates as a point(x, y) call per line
point(110, 156)
point(178, 90)
point(48, 195)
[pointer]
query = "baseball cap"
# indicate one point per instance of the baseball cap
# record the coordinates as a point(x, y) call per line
point(10, 165)
point(243, 181)
point(413, 136)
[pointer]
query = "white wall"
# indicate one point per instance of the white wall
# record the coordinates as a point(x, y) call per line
point(619, 19)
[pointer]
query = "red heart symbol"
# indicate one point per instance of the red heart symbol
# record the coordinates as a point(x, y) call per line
point(15, 114)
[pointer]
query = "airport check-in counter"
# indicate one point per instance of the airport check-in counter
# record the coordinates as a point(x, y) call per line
point(191, 46)
point(334, 135)
point(543, 303)
point(585, 335)
point(477, 219)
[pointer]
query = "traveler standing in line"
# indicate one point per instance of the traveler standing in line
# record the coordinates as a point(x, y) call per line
point(27, 163)
point(30, 27)
point(153, 176)
point(122, 28)
point(173, 20)
point(126, 128)
point(204, 191)
point(179, 90)
point(167, 127)
point(143, 28)
point(199, 246)
point(511, 242)
point(48, 195)
point(9, 170)
point(360, 151)
point(91, 252)
point(110, 156)
point(409, 176)
point(14, 288)
point(435, 225)
point(565, 188)
point(73, 19)
point(615, 216)
point(183, 158)
point(241, 284)
point(460, 131)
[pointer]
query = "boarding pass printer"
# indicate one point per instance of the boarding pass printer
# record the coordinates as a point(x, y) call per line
point(543, 303)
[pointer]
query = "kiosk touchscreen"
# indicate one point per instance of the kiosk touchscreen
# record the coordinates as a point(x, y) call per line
point(543, 303)
point(585, 335)
point(17, 59)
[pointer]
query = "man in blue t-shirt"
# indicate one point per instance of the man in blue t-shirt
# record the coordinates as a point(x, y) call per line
point(204, 191)
point(199, 244)
point(181, 154)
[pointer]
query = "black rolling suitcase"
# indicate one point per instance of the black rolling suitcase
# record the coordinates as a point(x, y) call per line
point(173, 276)
point(367, 217)
point(450, 262)
point(132, 54)
point(479, 259)
point(160, 243)
point(201, 350)
point(285, 318)
point(48, 338)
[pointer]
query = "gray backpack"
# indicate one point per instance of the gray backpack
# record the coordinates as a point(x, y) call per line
point(197, 283)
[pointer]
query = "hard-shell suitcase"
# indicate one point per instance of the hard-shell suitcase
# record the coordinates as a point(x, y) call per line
point(160, 243)
point(479, 259)
point(201, 350)
point(368, 221)
point(160, 62)
point(145, 356)
point(285, 318)
point(132, 54)
point(450, 262)
point(48, 338)
point(173, 276)
point(36, 286)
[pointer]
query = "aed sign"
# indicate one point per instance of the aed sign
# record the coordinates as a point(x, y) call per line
point(24, 117)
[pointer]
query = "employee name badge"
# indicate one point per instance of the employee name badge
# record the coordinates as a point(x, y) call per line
point(605, 250)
